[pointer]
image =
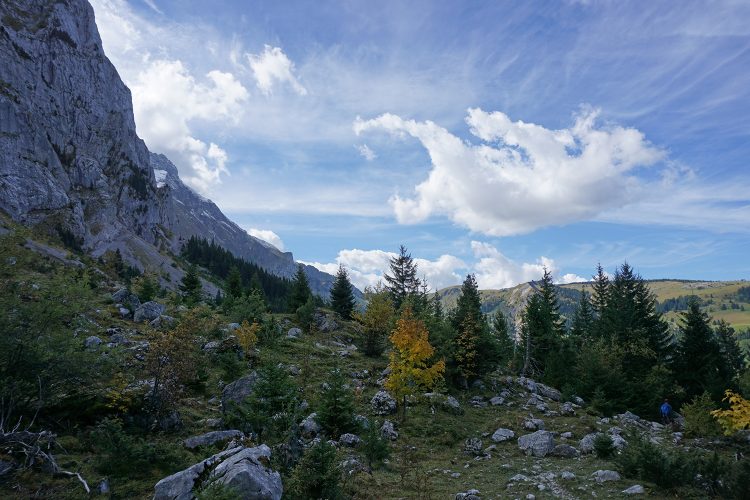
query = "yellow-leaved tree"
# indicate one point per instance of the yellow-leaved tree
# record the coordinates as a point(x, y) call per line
point(247, 336)
point(737, 417)
point(409, 359)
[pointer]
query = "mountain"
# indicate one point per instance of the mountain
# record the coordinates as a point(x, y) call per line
point(71, 162)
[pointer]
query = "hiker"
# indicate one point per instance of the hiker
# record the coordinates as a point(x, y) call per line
point(666, 412)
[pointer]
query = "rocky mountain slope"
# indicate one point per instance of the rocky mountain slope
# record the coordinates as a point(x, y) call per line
point(70, 159)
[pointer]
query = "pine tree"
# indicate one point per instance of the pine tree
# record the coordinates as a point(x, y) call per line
point(698, 355)
point(410, 371)
point(233, 284)
point(437, 307)
point(583, 321)
point(336, 409)
point(506, 344)
point(191, 287)
point(600, 295)
point(543, 327)
point(342, 296)
point(733, 361)
point(301, 292)
point(402, 280)
point(377, 319)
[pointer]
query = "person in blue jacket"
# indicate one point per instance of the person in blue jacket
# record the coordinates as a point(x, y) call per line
point(666, 412)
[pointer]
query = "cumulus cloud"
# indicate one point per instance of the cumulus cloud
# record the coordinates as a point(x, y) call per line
point(266, 235)
point(522, 176)
point(272, 66)
point(366, 153)
point(166, 97)
point(367, 267)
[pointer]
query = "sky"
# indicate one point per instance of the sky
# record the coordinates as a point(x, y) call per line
point(488, 137)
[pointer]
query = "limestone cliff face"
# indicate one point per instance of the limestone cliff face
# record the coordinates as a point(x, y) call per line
point(70, 158)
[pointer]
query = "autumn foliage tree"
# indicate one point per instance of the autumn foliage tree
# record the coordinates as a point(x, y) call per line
point(737, 417)
point(247, 336)
point(409, 358)
point(377, 319)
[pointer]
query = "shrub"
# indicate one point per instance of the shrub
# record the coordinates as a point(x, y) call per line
point(316, 475)
point(737, 417)
point(698, 418)
point(374, 446)
point(336, 409)
point(603, 446)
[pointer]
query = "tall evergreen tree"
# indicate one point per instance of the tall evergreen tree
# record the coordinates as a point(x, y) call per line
point(543, 326)
point(402, 280)
point(698, 355)
point(336, 409)
point(190, 286)
point(233, 284)
point(583, 321)
point(300, 292)
point(732, 360)
point(506, 344)
point(437, 307)
point(600, 295)
point(342, 296)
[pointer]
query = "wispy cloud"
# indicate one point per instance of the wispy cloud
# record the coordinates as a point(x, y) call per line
point(272, 67)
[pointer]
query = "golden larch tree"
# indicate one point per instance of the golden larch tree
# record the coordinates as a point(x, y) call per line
point(409, 358)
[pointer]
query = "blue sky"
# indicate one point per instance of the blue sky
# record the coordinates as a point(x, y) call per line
point(488, 137)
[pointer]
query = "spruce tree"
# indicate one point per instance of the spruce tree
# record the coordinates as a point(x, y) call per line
point(543, 327)
point(583, 321)
point(191, 287)
point(336, 409)
point(732, 359)
point(437, 307)
point(698, 355)
point(342, 296)
point(300, 292)
point(600, 294)
point(402, 280)
point(233, 284)
point(506, 344)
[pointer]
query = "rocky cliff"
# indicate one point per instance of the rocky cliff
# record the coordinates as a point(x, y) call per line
point(71, 162)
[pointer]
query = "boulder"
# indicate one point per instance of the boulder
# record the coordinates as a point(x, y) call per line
point(501, 435)
point(180, 485)
point(497, 401)
point(636, 489)
point(586, 445)
point(92, 342)
point(383, 403)
point(248, 474)
point(124, 312)
point(237, 391)
point(602, 476)
point(618, 442)
point(161, 320)
point(350, 440)
point(473, 446)
point(294, 333)
point(325, 323)
point(472, 494)
point(388, 430)
point(567, 408)
point(533, 424)
point(538, 444)
point(548, 392)
point(126, 298)
point(452, 405)
point(211, 438)
point(148, 311)
point(564, 451)
point(567, 475)
point(566, 435)
point(478, 402)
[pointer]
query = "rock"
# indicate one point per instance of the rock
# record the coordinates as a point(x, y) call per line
point(452, 405)
point(578, 401)
point(92, 342)
point(468, 495)
point(501, 435)
point(533, 424)
point(636, 489)
point(124, 312)
point(103, 487)
point(362, 421)
point(586, 444)
point(162, 320)
point(564, 451)
point(247, 473)
point(473, 446)
point(519, 478)
point(350, 440)
point(566, 435)
point(383, 403)
point(211, 438)
point(567, 475)
point(294, 333)
point(527, 384)
point(567, 408)
point(548, 392)
point(497, 401)
point(538, 444)
point(678, 421)
point(171, 422)
point(237, 391)
point(388, 430)
point(148, 311)
point(325, 323)
point(478, 402)
point(602, 476)
point(351, 466)
point(619, 442)
point(478, 384)
point(125, 298)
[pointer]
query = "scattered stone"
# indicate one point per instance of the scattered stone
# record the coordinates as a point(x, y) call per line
point(148, 311)
point(549, 392)
point(294, 333)
point(351, 466)
point(211, 438)
point(456, 475)
point(567, 475)
point(388, 430)
point(501, 435)
point(452, 405)
point(567, 409)
point(567, 435)
point(350, 440)
point(478, 384)
point(92, 342)
point(619, 442)
point(533, 424)
point(538, 444)
point(162, 320)
point(325, 323)
point(383, 403)
point(309, 427)
point(497, 401)
point(473, 446)
point(677, 437)
point(468, 495)
point(578, 401)
point(564, 451)
point(237, 391)
point(636, 489)
point(530, 496)
point(586, 445)
point(124, 312)
point(478, 402)
point(103, 487)
point(232, 327)
point(602, 476)
point(518, 478)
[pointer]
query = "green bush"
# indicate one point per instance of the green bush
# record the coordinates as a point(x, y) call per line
point(316, 475)
point(374, 446)
point(603, 446)
point(217, 491)
point(336, 409)
point(698, 418)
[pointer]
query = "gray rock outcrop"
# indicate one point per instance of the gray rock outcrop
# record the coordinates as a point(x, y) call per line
point(383, 403)
point(148, 311)
point(501, 435)
point(602, 476)
point(538, 444)
point(237, 391)
point(211, 438)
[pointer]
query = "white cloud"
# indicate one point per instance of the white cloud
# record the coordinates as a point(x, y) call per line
point(273, 66)
point(167, 97)
point(366, 153)
point(524, 176)
point(266, 235)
